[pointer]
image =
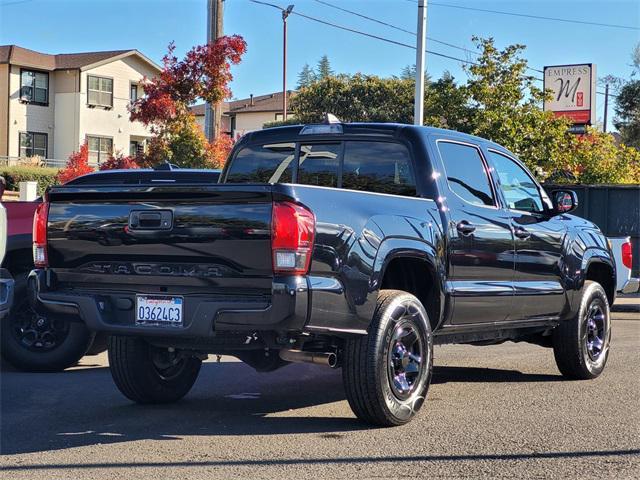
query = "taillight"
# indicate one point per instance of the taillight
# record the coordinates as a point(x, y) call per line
point(292, 230)
point(627, 255)
point(40, 235)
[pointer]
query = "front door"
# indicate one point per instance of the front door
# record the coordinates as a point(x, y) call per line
point(481, 244)
point(539, 291)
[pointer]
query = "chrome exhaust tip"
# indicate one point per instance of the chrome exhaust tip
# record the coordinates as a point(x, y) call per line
point(328, 359)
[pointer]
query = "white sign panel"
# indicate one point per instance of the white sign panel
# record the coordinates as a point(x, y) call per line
point(574, 90)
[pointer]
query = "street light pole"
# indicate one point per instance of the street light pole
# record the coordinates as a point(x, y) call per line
point(285, 14)
point(418, 111)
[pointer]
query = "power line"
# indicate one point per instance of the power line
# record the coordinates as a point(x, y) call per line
point(365, 34)
point(395, 27)
point(537, 17)
point(394, 42)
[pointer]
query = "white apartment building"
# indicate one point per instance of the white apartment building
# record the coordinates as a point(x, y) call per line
point(51, 104)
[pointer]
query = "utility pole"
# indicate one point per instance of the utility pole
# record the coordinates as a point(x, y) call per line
point(213, 113)
point(418, 111)
point(285, 14)
point(606, 107)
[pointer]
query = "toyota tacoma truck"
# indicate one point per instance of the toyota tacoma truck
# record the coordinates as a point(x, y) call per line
point(357, 246)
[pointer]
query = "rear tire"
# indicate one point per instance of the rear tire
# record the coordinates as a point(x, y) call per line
point(148, 374)
point(387, 373)
point(581, 344)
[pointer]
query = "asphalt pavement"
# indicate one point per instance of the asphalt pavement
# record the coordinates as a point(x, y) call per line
point(496, 412)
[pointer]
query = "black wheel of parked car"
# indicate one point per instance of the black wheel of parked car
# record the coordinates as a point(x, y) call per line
point(35, 342)
point(581, 344)
point(148, 374)
point(387, 373)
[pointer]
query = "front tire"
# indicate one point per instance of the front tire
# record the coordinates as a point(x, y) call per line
point(581, 344)
point(148, 374)
point(387, 373)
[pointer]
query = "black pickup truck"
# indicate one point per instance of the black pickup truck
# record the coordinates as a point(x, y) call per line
point(350, 245)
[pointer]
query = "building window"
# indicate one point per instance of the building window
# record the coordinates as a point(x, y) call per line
point(100, 91)
point(100, 148)
point(279, 117)
point(34, 87)
point(136, 147)
point(133, 92)
point(33, 144)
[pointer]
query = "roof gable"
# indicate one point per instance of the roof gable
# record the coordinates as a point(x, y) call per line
point(15, 55)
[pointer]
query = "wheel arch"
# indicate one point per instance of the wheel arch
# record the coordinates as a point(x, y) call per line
point(412, 266)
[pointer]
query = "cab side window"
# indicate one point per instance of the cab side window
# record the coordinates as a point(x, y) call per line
point(466, 173)
point(518, 187)
point(381, 167)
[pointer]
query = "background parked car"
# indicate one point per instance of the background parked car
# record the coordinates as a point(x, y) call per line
point(6, 281)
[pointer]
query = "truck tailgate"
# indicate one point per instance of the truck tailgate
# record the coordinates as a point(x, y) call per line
point(203, 237)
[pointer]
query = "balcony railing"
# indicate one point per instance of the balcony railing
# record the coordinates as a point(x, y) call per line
point(8, 161)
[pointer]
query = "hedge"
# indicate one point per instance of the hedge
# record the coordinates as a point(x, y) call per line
point(45, 176)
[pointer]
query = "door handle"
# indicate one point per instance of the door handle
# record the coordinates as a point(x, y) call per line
point(465, 228)
point(521, 233)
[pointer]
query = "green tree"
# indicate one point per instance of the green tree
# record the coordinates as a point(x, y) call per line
point(356, 98)
point(447, 104)
point(408, 72)
point(506, 107)
point(627, 119)
point(306, 77)
point(324, 68)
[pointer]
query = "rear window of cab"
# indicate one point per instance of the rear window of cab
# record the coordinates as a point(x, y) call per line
point(382, 167)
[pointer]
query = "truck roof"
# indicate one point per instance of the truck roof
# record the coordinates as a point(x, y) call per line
point(370, 128)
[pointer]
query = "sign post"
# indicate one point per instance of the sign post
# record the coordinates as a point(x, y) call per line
point(573, 90)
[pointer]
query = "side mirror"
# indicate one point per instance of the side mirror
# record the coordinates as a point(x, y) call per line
point(565, 201)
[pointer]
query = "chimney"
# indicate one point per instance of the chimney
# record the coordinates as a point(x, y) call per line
point(251, 98)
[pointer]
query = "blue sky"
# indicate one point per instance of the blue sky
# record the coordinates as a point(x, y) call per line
point(61, 26)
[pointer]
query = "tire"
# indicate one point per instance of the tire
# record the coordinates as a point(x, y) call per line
point(33, 342)
point(372, 362)
point(581, 344)
point(98, 345)
point(148, 374)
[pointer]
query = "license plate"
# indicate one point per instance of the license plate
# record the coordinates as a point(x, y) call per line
point(159, 310)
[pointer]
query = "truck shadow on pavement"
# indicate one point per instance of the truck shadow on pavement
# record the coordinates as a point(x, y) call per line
point(42, 412)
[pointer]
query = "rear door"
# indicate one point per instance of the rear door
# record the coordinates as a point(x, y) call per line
point(481, 245)
point(538, 238)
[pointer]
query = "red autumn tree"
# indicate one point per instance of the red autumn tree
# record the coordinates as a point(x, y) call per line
point(77, 165)
point(119, 162)
point(203, 74)
point(219, 150)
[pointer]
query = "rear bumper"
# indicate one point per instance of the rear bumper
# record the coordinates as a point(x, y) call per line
point(631, 285)
point(287, 309)
point(6, 292)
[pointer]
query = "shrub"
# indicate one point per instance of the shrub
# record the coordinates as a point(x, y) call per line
point(45, 176)
point(119, 162)
point(77, 165)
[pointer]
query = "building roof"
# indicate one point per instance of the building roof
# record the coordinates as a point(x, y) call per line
point(271, 102)
point(16, 55)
